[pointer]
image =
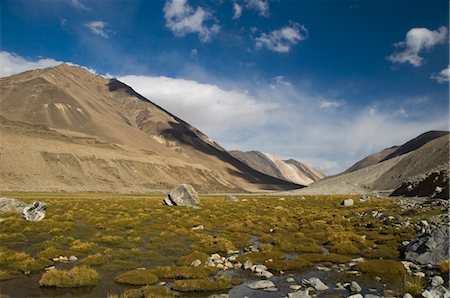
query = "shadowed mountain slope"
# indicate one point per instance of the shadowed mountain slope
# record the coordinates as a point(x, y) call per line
point(64, 128)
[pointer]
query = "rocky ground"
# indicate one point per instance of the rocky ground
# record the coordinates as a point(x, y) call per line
point(244, 246)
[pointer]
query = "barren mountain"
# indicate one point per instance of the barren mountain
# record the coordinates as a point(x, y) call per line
point(389, 174)
point(290, 170)
point(64, 128)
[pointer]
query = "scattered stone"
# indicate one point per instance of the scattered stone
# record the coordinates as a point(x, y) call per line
point(266, 274)
point(347, 202)
point(430, 248)
point(371, 296)
point(355, 287)
point(260, 268)
point(248, 264)
point(356, 296)
point(299, 294)
point(358, 260)
point(215, 257)
point(162, 283)
point(50, 268)
point(316, 283)
point(219, 296)
point(407, 295)
point(271, 289)
point(183, 195)
point(436, 281)
point(196, 263)
point(73, 259)
point(232, 252)
point(11, 205)
point(340, 287)
point(364, 198)
point(290, 279)
point(34, 211)
point(295, 287)
point(320, 268)
point(231, 198)
point(281, 199)
point(200, 227)
point(261, 284)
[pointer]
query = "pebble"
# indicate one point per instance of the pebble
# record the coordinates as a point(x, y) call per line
point(320, 268)
point(316, 283)
point(248, 264)
point(407, 295)
point(355, 287)
point(295, 287)
point(196, 263)
point(261, 284)
point(356, 296)
point(200, 227)
point(73, 259)
point(437, 281)
point(50, 268)
point(260, 268)
point(290, 279)
point(272, 289)
point(163, 283)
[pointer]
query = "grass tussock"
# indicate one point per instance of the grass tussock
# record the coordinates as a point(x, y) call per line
point(183, 272)
point(331, 257)
point(382, 268)
point(137, 277)
point(5, 275)
point(202, 285)
point(148, 292)
point(444, 266)
point(76, 277)
point(187, 260)
point(413, 285)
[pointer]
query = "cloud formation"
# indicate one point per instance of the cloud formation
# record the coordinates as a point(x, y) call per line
point(212, 109)
point(331, 104)
point(77, 4)
point(443, 76)
point(418, 40)
point(11, 63)
point(182, 19)
point(261, 6)
point(282, 40)
point(99, 28)
point(237, 11)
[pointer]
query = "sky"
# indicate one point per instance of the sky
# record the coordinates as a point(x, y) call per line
point(324, 82)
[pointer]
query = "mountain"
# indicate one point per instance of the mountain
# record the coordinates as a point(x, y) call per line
point(66, 129)
point(371, 159)
point(390, 174)
point(289, 170)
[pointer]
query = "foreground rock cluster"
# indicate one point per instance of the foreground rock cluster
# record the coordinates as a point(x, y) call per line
point(30, 212)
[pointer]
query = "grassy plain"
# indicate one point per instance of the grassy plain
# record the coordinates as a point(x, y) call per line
point(114, 234)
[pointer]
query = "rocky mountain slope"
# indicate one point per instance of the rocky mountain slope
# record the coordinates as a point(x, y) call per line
point(64, 128)
point(389, 174)
point(289, 170)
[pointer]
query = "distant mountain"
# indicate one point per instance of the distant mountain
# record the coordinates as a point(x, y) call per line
point(66, 129)
point(390, 174)
point(289, 170)
point(371, 159)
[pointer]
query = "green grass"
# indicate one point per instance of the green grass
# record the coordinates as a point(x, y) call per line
point(203, 285)
point(76, 277)
point(137, 277)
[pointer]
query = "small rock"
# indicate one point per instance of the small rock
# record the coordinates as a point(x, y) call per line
point(299, 294)
point(407, 295)
point(295, 287)
point(347, 202)
point(281, 199)
point(320, 268)
point(272, 289)
point(220, 266)
point(215, 257)
point(340, 287)
point(437, 281)
point(371, 296)
point(163, 283)
point(290, 279)
point(219, 296)
point(237, 266)
point(196, 263)
point(232, 252)
point(260, 268)
point(358, 260)
point(355, 287)
point(50, 268)
point(356, 296)
point(11, 205)
point(200, 227)
point(266, 274)
point(316, 283)
point(73, 259)
point(248, 264)
point(261, 284)
point(231, 198)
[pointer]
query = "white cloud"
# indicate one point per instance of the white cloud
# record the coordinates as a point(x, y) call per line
point(237, 11)
point(79, 5)
point(331, 104)
point(443, 76)
point(261, 6)
point(99, 28)
point(208, 107)
point(182, 19)
point(11, 63)
point(418, 40)
point(284, 39)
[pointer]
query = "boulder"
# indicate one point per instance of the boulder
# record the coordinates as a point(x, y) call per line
point(316, 283)
point(231, 198)
point(432, 247)
point(347, 202)
point(182, 195)
point(10, 205)
point(34, 211)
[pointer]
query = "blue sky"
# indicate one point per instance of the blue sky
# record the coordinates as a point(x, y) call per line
point(326, 82)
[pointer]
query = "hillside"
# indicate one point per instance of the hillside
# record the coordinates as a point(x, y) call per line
point(386, 175)
point(289, 170)
point(64, 128)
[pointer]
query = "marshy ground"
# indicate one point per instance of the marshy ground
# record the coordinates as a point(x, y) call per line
point(112, 235)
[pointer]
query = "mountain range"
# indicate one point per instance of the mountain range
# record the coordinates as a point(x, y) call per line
point(66, 129)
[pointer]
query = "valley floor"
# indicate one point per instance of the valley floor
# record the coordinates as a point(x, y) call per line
point(298, 237)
